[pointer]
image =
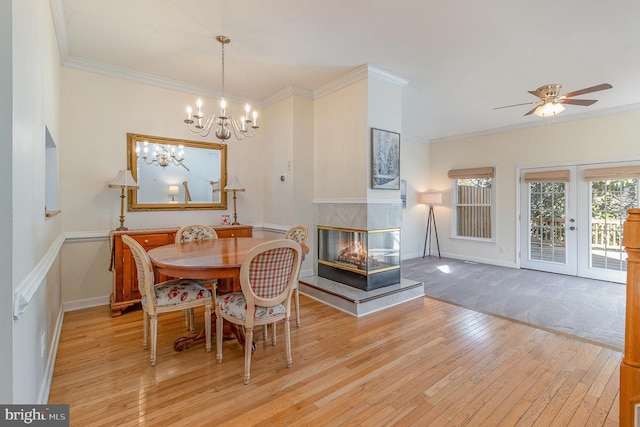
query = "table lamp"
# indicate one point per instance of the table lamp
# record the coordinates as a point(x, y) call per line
point(124, 180)
point(173, 191)
point(234, 185)
point(430, 199)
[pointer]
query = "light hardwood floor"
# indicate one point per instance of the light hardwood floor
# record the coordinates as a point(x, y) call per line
point(424, 363)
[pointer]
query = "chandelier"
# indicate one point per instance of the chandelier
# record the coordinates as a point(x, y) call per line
point(162, 155)
point(223, 124)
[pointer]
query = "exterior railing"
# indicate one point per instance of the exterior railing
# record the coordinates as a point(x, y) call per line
point(604, 233)
point(547, 231)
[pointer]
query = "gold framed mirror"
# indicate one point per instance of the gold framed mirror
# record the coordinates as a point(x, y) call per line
point(176, 174)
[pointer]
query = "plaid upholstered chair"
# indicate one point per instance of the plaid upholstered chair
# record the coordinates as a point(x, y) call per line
point(163, 297)
point(191, 233)
point(268, 275)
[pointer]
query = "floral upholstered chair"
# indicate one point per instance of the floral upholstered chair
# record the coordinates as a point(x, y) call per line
point(191, 233)
point(268, 275)
point(172, 295)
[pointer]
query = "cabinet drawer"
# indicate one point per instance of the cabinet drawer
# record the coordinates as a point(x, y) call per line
point(152, 240)
point(238, 232)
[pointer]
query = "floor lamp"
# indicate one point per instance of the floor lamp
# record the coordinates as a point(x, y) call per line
point(124, 181)
point(430, 199)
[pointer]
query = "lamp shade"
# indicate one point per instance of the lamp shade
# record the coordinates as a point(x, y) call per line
point(124, 179)
point(234, 185)
point(549, 109)
point(173, 189)
point(430, 198)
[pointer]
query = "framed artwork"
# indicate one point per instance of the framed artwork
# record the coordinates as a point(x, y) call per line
point(385, 157)
point(403, 193)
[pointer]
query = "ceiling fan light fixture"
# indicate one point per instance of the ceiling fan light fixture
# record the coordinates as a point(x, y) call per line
point(549, 109)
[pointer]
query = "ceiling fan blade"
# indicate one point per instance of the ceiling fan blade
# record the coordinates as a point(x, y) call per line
point(585, 102)
point(532, 110)
point(516, 105)
point(602, 86)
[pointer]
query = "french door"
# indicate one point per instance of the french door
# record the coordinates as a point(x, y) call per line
point(571, 219)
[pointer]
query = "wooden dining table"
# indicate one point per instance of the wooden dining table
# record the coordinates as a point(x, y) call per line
point(206, 259)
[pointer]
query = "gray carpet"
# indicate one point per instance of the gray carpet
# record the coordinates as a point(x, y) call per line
point(589, 309)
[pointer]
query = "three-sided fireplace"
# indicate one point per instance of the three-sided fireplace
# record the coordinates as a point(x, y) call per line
point(362, 259)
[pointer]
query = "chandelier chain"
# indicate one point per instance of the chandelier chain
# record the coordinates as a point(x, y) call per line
point(223, 69)
point(223, 124)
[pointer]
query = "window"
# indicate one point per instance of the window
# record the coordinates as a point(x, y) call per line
point(473, 203)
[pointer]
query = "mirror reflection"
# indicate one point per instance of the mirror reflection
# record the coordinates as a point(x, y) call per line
point(175, 174)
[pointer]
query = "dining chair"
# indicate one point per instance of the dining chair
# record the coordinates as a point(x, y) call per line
point(298, 233)
point(163, 297)
point(191, 233)
point(268, 275)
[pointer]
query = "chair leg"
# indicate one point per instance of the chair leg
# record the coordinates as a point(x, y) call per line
point(207, 325)
point(145, 326)
point(219, 333)
point(287, 342)
point(186, 318)
point(266, 332)
point(274, 333)
point(154, 338)
point(297, 304)
point(247, 353)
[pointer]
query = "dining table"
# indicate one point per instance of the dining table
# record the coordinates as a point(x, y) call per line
point(207, 259)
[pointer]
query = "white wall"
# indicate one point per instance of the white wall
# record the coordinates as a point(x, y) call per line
point(414, 168)
point(341, 140)
point(384, 111)
point(607, 138)
point(6, 217)
point(35, 271)
point(279, 141)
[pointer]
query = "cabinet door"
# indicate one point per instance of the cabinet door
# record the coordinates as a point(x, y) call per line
point(148, 242)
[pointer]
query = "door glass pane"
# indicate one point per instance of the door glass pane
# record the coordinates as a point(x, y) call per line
point(547, 212)
point(610, 201)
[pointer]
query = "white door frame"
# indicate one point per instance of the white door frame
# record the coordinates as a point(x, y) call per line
point(570, 265)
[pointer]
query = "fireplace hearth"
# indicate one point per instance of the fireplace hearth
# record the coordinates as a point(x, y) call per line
point(363, 259)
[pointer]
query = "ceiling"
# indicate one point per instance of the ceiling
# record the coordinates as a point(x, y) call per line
point(461, 58)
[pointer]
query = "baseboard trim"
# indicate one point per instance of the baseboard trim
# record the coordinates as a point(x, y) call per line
point(85, 303)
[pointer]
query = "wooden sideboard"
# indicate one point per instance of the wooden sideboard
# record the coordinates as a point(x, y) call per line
point(125, 277)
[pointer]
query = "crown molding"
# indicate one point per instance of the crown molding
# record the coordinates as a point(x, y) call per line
point(60, 26)
point(386, 76)
point(285, 93)
point(361, 72)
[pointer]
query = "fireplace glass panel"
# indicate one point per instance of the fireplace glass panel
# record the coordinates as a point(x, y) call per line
point(362, 252)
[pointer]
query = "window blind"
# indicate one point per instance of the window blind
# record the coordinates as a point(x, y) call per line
point(486, 172)
point(560, 175)
point(612, 173)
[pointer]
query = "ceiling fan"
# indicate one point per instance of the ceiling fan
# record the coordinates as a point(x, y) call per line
point(551, 101)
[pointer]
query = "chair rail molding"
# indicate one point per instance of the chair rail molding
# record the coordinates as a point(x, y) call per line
point(28, 287)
